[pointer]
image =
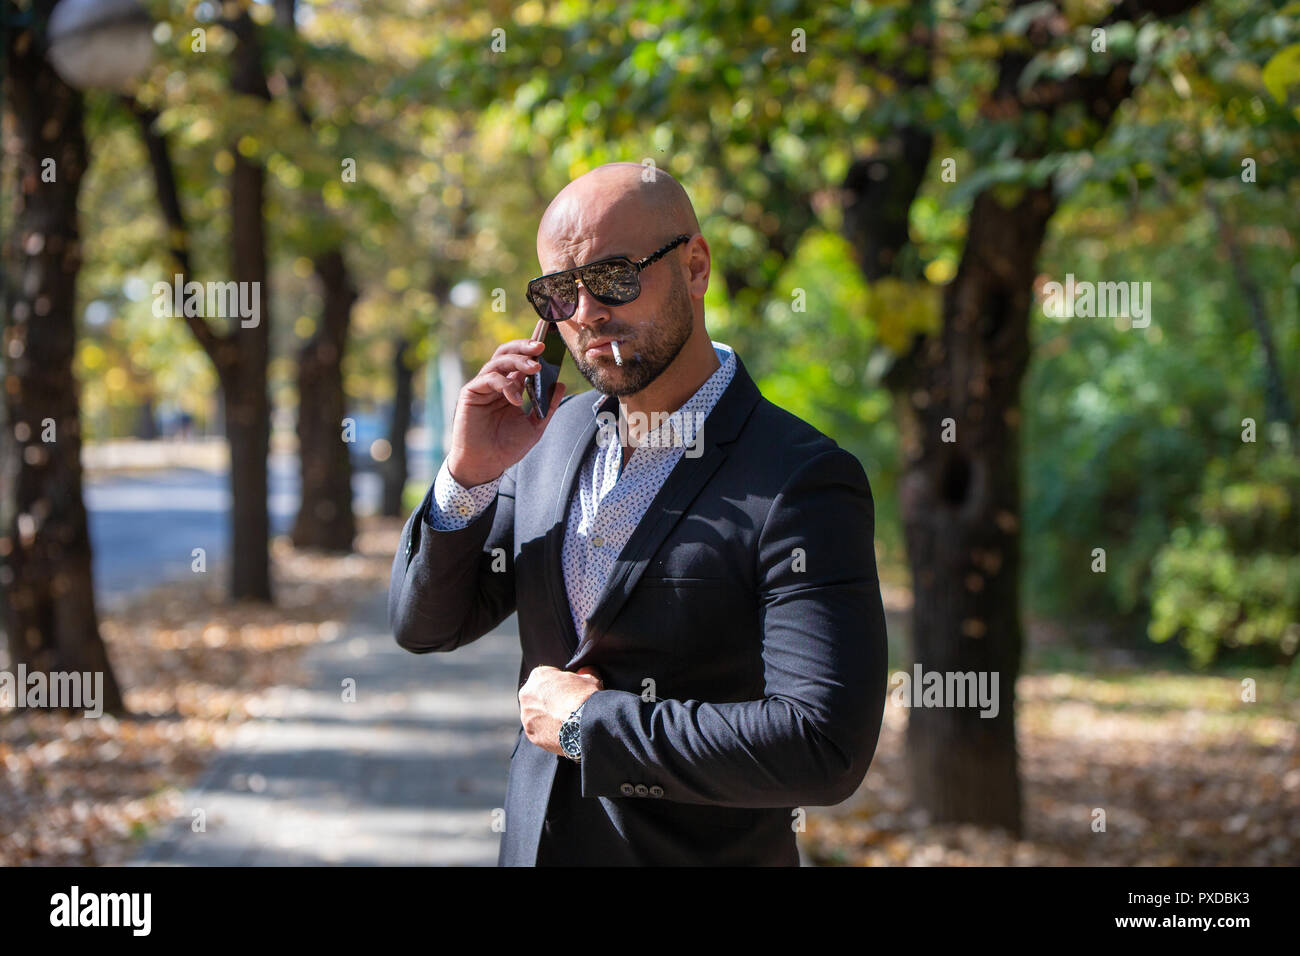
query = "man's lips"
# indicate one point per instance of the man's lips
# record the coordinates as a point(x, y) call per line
point(600, 346)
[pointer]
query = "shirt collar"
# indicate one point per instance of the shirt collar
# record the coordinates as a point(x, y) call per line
point(685, 420)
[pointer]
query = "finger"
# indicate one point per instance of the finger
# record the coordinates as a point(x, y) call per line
point(511, 362)
point(515, 390)
point(504, 365)
point(520, 346)
point(488, 385)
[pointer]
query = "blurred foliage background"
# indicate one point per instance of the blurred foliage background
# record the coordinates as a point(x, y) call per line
point(1134, 439)
point(875, 180)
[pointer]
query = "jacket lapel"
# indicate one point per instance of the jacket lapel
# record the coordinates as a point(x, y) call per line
point(685, 481)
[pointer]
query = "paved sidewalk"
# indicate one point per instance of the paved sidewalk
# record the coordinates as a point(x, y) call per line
point(408, 774)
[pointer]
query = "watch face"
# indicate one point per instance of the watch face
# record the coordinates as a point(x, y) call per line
point(569, 739)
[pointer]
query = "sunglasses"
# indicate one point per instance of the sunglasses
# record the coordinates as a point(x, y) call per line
point(613, 281)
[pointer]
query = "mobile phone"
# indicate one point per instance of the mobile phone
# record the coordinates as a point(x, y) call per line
point(541, 384)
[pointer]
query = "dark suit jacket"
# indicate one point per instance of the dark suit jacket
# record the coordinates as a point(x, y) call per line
point(747, 594)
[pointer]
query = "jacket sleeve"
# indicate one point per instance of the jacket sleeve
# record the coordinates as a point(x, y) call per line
point(449, 588)
point(810, 739)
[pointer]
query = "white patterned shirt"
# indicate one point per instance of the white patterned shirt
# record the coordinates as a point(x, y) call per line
point(610, 498)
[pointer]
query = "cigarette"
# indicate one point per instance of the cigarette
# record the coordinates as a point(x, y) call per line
point(618, 359)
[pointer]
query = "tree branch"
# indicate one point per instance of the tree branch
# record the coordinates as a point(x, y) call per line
point(164, 176)
point(1277, 402)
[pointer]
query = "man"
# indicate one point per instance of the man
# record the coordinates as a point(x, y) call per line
point(700, 617)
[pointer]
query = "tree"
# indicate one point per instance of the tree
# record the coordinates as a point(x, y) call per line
point(243, 373)
point(325, 518)
point(1125, 472)
point(45, 554)
point(239, 355)
point(959, 393)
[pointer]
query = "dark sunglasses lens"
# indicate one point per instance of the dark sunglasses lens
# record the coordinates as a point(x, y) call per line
point(555, 298)
point(613, 283)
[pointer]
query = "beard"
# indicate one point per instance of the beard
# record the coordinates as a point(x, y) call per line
point(647, 356)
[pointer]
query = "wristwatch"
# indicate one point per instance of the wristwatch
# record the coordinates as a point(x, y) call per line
point(570, 742)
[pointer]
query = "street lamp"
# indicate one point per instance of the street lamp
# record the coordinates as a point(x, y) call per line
point(99, 44)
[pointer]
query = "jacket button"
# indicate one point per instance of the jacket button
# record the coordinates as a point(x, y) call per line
point(656, 791)
point(642, 790)
point(627, 789)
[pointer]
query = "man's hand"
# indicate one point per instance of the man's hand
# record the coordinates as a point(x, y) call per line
point(548, 697)
point(489, 433)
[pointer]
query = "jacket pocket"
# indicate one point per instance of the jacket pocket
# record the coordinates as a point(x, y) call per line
point(653, 581)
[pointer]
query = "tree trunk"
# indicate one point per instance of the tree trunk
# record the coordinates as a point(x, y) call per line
point(395, 470)
point(960, 503)
point(325, 518)
point(248, 407)
point(45, 555)
point(146, 428)
point(247, 421)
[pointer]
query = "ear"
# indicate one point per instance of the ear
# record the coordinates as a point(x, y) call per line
point(698, 266)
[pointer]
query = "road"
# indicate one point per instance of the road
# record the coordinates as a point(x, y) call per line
point(145, 525)
point(410, 772)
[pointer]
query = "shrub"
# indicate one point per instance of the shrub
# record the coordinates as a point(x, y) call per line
point(1231, 577)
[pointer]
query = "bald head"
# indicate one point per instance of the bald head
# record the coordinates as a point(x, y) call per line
point(631, 210)
point(616, 209)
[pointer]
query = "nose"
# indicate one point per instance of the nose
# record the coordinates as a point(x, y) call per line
point(589, 311)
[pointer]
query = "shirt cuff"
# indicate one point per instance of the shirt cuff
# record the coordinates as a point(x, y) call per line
point(454, 506)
